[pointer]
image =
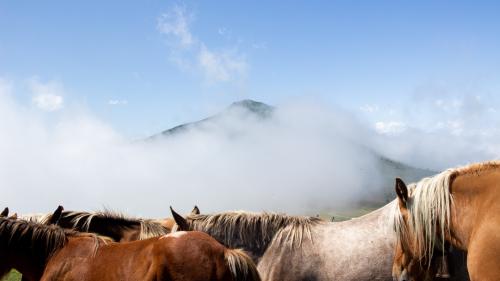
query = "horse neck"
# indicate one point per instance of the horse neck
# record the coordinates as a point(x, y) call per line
point(472, 202)
point(29, 265)
point(114, 228)
point(26, 255)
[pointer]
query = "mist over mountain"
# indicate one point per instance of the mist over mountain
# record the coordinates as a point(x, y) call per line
point(386, 168)
point(251, 108)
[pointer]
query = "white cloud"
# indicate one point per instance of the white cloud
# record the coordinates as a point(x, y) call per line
point(390, 128)
point(47, 96)
point(370, 108)
point(221, 66)
point(225, 64)
point(175, 23)
point(117, 102)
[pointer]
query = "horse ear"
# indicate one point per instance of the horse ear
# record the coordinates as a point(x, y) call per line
point(5, 212)
point(195, 210)
point(13, 217)
point(180, 220)
point(56, 216)
point(401, 191)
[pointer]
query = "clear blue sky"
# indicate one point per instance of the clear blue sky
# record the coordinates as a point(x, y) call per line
point(127, 64)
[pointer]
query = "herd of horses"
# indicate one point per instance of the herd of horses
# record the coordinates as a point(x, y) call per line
point(445, 227)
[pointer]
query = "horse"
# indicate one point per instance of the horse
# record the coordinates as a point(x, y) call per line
point(297, 248)
point(113, 225)
point(358, 249)
point(50, 253)
point(460, 207)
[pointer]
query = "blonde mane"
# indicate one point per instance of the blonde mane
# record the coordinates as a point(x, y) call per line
point(429, 206)
point(256, 230)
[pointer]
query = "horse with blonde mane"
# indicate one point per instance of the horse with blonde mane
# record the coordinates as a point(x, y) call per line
point(460, 207)
point(51, 253)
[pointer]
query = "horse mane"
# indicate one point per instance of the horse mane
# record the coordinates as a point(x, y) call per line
point(37, 237)
point(151, 228)
point(38, 217)
point(428, 205)
point(257, 230)
point(82, 220)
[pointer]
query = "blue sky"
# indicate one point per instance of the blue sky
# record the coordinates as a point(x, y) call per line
point(143, 66)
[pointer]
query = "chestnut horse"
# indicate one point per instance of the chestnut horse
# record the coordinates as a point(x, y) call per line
point(460, 207)
point(48, 252)
point(116, 226)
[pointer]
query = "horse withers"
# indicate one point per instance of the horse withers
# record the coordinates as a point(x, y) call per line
point(459, 207)
point(48, 252)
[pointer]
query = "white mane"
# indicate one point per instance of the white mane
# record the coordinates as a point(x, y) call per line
point(428, 206)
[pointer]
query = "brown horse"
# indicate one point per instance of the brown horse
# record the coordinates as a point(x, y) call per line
point(458, 206)
point(113, 225)
point(48, 252)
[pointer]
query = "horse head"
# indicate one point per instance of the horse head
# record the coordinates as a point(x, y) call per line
point(181, 222)
point(409, 264)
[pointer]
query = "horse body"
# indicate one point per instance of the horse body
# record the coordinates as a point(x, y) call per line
point(152, 259)
point(475, 221)
point(358, 249)
point(302, 248)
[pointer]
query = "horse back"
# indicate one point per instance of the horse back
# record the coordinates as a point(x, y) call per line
point(182, 256)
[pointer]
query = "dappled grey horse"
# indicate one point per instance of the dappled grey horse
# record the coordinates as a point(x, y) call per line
point(306, 248)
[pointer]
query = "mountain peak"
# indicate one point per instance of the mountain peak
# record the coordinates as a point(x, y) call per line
point(257, 107)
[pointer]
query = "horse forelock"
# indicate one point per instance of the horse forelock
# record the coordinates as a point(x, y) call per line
point(257, 230)
point(428, 206)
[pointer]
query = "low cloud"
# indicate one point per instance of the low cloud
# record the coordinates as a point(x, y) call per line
point(304, 159)
point(300, 160)
point(390, 128)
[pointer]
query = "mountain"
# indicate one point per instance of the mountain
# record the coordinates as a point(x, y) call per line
point(256, 109)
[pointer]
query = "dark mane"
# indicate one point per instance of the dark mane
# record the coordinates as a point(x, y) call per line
point(42, 240)
point(82, 221)
point(254, 230)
